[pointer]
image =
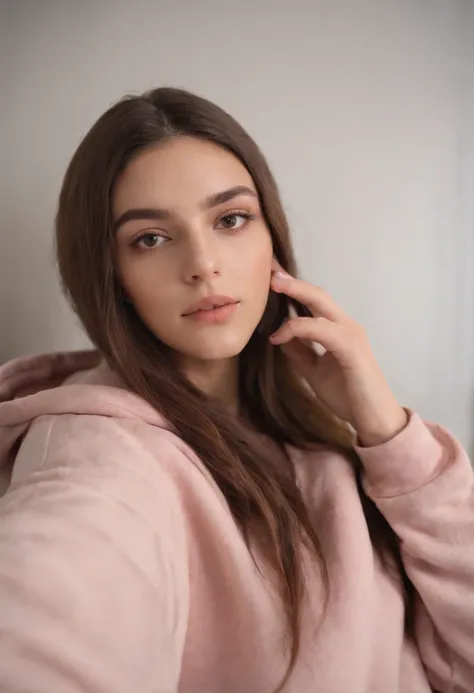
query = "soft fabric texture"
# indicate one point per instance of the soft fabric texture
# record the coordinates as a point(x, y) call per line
point(123, 571)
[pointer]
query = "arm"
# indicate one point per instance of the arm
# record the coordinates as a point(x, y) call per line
point(423, 483)
point(93, 571)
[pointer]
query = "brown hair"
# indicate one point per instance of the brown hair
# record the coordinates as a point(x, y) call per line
point(262, 495)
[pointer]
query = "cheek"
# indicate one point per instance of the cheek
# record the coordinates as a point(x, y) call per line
point(257, 265)
point(144, 284)
point(151, 297)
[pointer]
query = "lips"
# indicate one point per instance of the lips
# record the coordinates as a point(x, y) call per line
point(209, 303)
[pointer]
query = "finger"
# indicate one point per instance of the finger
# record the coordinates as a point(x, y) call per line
point(321, 330)
point(318, 301)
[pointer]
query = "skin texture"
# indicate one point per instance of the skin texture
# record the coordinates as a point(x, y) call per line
point(196, 251)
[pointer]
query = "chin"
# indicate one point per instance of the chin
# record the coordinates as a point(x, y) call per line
point(215, 347)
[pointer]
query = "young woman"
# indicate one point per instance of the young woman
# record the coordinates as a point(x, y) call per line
point(206, 504)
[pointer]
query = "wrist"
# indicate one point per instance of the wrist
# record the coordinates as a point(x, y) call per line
point(384, 430)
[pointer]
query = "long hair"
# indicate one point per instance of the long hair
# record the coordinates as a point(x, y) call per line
point(262, 495)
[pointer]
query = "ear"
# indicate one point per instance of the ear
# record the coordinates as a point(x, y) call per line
point(276, 267)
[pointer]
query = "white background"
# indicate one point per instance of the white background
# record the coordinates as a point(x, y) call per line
point(365, 110)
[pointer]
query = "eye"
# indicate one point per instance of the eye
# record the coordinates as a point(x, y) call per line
point(235, 221)
point(148, 240)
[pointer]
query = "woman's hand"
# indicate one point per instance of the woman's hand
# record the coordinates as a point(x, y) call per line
point(346, 378)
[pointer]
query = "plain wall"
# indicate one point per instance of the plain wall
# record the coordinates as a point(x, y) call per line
point(364, 110)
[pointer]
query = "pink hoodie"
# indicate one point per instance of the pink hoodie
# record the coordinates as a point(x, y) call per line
point(122, 570)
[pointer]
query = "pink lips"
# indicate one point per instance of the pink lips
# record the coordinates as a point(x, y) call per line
point(212, 309)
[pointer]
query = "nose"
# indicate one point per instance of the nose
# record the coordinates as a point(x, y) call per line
point(201, 261)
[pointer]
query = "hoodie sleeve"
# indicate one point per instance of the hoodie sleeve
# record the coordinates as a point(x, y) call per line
point(423, 484)
point(93, 564)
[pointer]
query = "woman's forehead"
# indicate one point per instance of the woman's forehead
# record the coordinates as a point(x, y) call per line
point(182, 171)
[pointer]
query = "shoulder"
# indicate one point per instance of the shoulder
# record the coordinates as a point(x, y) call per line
point(86, 475)
point(127, 457)
point(93, 440)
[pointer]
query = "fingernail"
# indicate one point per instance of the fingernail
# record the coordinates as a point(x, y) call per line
point(281, 275)
point(275, 336)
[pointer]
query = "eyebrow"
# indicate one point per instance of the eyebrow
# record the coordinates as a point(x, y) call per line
point(160, 214)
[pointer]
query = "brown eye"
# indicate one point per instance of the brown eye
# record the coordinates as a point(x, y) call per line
point(235, 221)
point(230, 221)
point(149, 241)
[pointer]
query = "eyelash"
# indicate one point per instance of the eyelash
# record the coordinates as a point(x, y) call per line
point(236, 213)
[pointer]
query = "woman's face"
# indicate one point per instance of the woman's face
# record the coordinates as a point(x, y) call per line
point(189, 227)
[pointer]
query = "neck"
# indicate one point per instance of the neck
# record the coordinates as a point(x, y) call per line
point(218, 379)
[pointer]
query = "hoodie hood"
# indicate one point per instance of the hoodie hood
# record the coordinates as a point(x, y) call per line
point(63, 383)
